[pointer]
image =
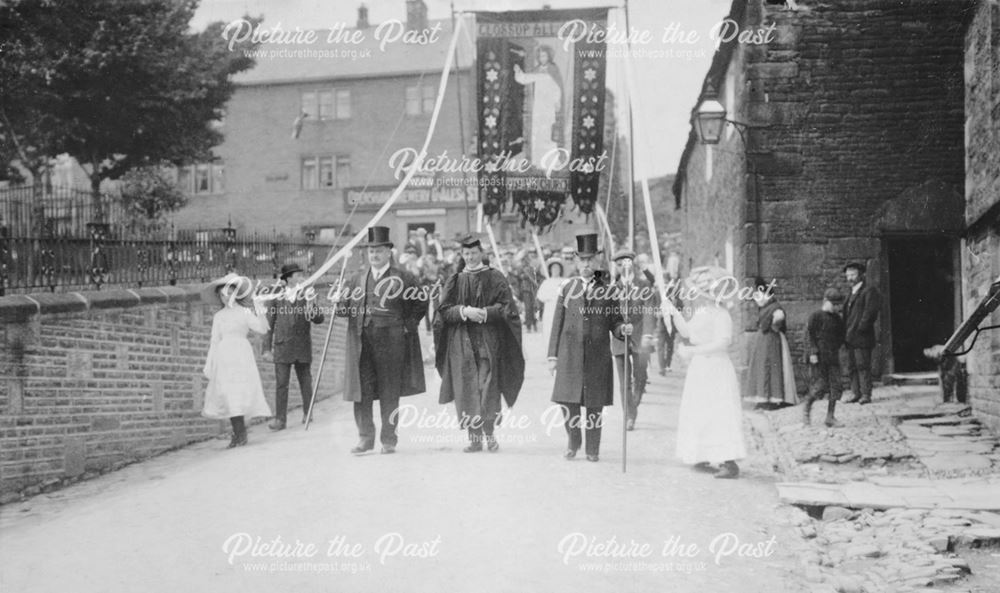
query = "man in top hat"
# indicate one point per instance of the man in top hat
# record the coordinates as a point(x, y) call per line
point(289, 341)
point(477, 335)
point(383, 360)
point(586, 316)
point(633, 287)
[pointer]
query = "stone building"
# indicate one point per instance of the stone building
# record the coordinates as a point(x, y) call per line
point(849, 148)
point(981, 250)
point(311, 129)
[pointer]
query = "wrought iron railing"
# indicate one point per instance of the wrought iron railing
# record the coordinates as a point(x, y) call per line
point(67, 263)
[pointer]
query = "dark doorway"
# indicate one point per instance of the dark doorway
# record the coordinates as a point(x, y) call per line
point(921, 298)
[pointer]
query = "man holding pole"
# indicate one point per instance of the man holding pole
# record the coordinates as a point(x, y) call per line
point(638, 300)
point(383, 360)
point(289, 341)
point(580, 349)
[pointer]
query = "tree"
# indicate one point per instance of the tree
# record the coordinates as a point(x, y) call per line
point(147, 194)
point(119, 84)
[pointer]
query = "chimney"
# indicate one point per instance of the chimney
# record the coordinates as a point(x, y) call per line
point(363, 17)
point(416, 15)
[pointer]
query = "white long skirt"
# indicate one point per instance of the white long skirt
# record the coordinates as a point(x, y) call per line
point(710, 425)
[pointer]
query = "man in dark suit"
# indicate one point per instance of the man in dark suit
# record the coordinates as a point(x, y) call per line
point(580, 350)
point(384, 305)
point(860, 312)
point(289, 342)
point(641, 297)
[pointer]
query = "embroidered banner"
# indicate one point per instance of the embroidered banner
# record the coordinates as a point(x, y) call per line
point(541, 110)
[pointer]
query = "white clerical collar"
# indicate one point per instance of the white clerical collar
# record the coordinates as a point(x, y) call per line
point(476, 269)
point(377, 273)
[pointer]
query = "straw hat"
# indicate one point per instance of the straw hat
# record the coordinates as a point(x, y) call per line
point(242, 285)
point(704, 281)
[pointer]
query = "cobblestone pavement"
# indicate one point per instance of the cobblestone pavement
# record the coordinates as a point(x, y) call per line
point(895, 461)
point(429, 518)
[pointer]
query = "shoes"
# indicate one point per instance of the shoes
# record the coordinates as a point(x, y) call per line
point(630, 425)
point(474, 447)
point(704, 467)
point(865, 400)
point(728, 471)
point(276, 424)
point(491, 444)
point(362, 447)
point(850, 400)
point(388, 449)
point(592, 458)
point(663, 372)
point(833, 423)
point(237, 441)
point(569, 454)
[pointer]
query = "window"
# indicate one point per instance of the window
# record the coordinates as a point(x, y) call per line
point(420, 99)
point(413, 100)
point(309, 173)
point(218, 178)
point(343, 171)
point(202, 178)
point(309, 104)
point(326, 105)
point(323, 172)
point(326, 178)
point(429, 95)
point(343, 104)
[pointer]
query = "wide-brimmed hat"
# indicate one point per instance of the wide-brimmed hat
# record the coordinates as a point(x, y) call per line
point(623, 253)
point(289, 269)
point(705, 281)
point(586, 245)
point(555, 261)
point(378, 236)
point(243, 289)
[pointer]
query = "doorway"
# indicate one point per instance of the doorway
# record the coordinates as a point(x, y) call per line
point(922, 284)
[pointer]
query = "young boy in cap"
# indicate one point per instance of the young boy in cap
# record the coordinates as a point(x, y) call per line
point(826, 336)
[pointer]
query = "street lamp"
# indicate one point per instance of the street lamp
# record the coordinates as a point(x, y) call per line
point(711, 118)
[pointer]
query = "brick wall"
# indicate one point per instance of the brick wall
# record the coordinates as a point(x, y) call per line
point(92, 381)
point(981, 253)
point(862, 101)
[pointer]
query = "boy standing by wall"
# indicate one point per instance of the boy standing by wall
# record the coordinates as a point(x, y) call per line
point(826, 335)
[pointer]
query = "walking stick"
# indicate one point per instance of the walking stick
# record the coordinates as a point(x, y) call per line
point(326, 346)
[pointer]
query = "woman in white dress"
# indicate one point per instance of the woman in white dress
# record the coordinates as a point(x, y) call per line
point(710, 425)
point(548, 294)
point(234, 387)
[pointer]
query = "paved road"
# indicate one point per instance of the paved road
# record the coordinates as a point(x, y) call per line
point(430, 518)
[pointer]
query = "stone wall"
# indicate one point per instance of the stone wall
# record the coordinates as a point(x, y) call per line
point(981, 253)
point(93, 381)
point(859, 101)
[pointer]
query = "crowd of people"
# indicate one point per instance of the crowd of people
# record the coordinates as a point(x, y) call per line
point(601, 315)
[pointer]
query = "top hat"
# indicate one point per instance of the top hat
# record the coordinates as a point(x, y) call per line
point(378, 236)
point(470, 241)
point(624, 253)
point(289, 269)
point(586, 245)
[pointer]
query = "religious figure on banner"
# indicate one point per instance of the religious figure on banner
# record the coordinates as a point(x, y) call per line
point(546, 113)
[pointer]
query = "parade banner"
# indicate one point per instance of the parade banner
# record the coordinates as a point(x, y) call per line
point(541, 110)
